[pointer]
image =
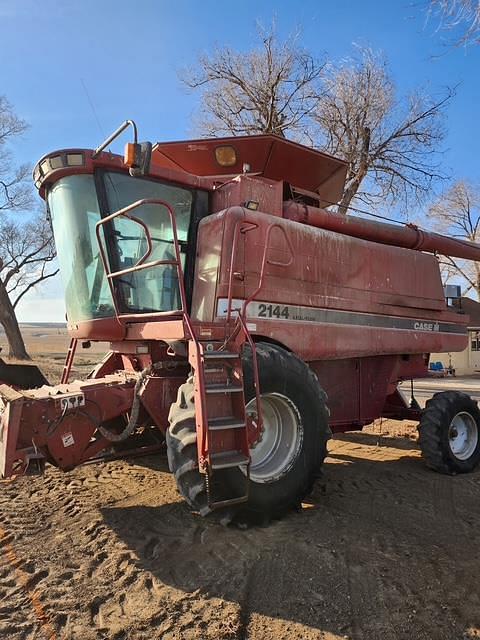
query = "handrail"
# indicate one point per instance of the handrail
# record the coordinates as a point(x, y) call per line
point(147, 235)
point(139, 267)
point(141, 264)
point(67, 367)
point(256, 377)
point(242, 316)
point(177, 262)
point(238, 229)
point(266, 261)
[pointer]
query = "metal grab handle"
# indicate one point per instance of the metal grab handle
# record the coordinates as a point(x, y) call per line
point(141, 263)
point(266, 260)
point(147, 253)
point(247, 226)
point(139, 267)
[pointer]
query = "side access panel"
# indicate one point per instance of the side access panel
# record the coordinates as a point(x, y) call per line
point(340, 379)
point(358, 388)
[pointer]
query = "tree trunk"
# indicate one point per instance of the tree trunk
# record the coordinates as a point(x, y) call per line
point(346, 199)
point(9, 322)
point(351, 191)
point(349, 194)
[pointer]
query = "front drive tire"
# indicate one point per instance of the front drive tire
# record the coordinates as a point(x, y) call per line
point(449, 433)
point(290, 454)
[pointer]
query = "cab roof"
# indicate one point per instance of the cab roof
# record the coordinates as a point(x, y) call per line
point(268, 155)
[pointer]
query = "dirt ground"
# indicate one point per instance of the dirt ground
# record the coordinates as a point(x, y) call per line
point(382, 549)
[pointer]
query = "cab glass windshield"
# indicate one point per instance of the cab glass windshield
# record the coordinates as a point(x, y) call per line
point(75, 211)
point(154, 288)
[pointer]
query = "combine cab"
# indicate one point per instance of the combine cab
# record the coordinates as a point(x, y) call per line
point(245, 322)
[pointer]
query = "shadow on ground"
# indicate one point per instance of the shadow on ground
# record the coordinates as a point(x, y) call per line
point(383, 548)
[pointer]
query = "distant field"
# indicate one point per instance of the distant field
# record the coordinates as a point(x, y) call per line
point(47, 344)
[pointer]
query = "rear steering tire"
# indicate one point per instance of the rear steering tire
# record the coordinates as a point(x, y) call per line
point(287, 459)
point(449, 433)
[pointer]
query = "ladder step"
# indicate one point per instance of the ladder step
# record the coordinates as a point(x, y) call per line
point(226, 459)
point(218, 424)
point(220, 355)
point(214, 369)
point(224, 503)
point(223, 388)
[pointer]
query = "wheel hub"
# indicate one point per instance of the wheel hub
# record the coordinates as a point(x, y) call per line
point(275, 445)
point(254, 429)
point(463, 435)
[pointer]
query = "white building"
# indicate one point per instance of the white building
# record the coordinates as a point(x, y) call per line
point(465, 362)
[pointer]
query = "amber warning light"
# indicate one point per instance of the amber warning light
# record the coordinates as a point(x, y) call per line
point(226, 155)
point(129, 155)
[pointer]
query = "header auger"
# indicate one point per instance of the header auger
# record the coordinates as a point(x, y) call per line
point(246, 323)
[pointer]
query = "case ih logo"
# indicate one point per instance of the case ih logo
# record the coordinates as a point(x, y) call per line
point(426, 326)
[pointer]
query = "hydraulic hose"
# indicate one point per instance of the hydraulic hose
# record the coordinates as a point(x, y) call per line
point(135, 412)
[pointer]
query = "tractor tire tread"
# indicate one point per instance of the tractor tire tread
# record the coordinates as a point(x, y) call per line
point(441, 407)
point(182, 448)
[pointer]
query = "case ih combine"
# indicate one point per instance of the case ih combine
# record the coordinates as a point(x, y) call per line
point(237, 310)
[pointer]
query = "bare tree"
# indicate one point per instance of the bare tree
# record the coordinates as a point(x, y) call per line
point(270, 89)
point(457, 213)
point(390, 143)
point(26, 246)
point(15, 192)
point(350, 110)
point(27, 252)
point(459, 16)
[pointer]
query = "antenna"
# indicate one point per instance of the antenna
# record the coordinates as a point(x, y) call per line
point(92, 107)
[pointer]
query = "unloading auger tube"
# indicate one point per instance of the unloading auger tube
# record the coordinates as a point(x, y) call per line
point(408, 236)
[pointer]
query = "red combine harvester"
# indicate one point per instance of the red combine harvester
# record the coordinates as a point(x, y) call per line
point(234, 305)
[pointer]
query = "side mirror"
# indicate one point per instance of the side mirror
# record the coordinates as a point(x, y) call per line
point(138, 156)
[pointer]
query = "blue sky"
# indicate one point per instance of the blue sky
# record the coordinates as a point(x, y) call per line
point(127, 55)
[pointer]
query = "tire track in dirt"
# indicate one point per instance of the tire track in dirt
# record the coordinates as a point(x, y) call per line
point(27, 582)
point(109, 568)
point(373, 557)
point(78, 530)
point(363, 579)
point(22, 579)
point(195, 563)
point(412, 558)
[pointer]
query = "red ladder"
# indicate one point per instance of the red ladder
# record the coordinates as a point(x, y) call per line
point(221, 420)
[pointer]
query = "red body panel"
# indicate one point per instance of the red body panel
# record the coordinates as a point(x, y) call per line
point(40, 422)
point(362, 313)
point(370, 299)
point(244, 189)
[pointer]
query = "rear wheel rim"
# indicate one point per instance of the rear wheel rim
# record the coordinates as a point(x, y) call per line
point(273, 455)
point(463, 435)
